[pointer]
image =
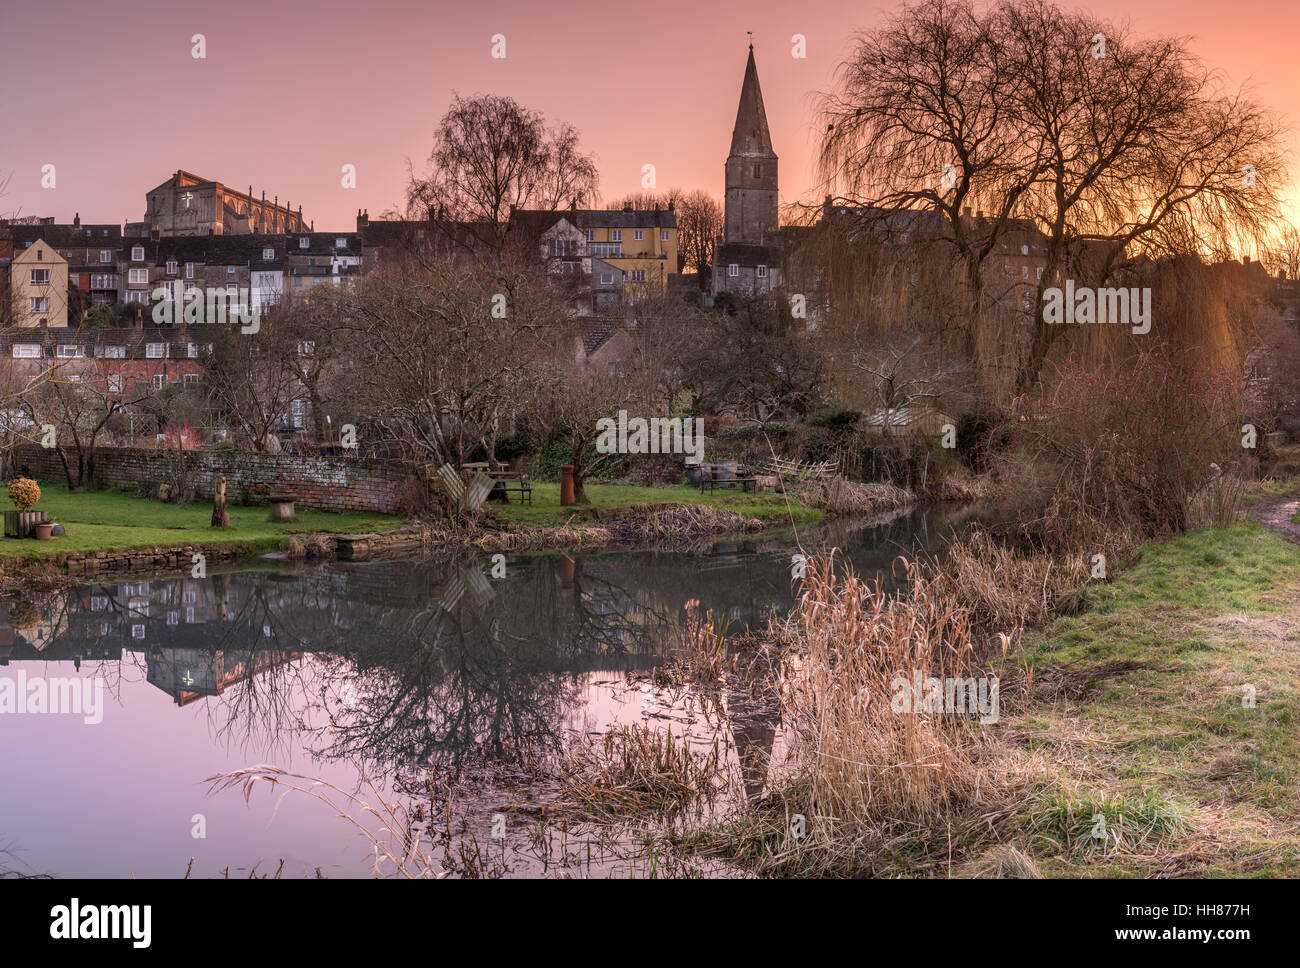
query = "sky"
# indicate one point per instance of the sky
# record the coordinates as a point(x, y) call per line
point(292, 91)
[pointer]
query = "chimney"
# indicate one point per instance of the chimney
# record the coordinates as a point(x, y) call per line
point(362, 220)
point(965, 212)
point(979, 215)
point(76, 220)
point(1245, 260)
point(670, 205)
point(154, 234)
point(627, 206)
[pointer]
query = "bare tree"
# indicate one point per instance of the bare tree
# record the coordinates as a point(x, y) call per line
point(443, 355)
point(699, 223)
point(491, 156)
point(1110, 147)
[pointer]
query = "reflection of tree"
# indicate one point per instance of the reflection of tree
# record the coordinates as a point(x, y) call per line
point(403, 672)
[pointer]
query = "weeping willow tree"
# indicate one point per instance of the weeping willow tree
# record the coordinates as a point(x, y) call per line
point(1106, 150)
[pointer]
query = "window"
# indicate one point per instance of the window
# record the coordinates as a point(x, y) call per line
point(733, 269)
point(340, 243)
point(189, 614)
point(171, 267)
point(1024, 250)
point(70, 350)
point(137, 253)
point(114, 352)
point(758, 171)
point(307, 348)
point(137, 631)
point(268, 254)
point(192, 350)
point(40, 277)
point(663, 235)
point(190, 287)
point(159, 382)
point(304, 242)
point(105, 255)
point(39, 304)
point(590, 234)
point(136, 296)
point(1040, 273)
point(230, 270)
point(115, 383)
point(27, 351)
point(617, 235)
point(638, 235)
point(606, 278)
point(638, 275)
point(137, 276)
point(190, 379)
point(762, 272)
point(173, 618)
point(156, 351)
point(189, 270)
point(1024, 272)
point(189, 595)
point(103, 281)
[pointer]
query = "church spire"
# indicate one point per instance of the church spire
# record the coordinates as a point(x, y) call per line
point(750, 137)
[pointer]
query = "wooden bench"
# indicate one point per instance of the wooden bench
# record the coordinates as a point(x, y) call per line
point(713, 476)
point(504, 482)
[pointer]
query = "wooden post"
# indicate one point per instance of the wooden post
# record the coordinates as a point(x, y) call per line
point(220, 519)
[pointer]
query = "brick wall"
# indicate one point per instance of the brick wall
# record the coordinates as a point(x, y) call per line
point(330, 483)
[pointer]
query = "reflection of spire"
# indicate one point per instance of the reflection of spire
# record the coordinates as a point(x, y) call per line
point(754, 733)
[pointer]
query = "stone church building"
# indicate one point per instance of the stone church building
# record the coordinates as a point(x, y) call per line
point(745, 258)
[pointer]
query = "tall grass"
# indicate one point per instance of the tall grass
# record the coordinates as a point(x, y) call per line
point(858, 769)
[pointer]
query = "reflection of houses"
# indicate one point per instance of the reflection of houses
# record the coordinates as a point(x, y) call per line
point(187, 674)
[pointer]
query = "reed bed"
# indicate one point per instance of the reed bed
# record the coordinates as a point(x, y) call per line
point(862, 770)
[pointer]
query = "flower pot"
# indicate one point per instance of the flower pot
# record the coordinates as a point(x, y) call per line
point(43, 530)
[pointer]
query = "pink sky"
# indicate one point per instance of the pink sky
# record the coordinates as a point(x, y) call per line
point(291, 91)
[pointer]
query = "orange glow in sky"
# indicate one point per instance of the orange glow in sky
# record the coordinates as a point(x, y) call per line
point(291, 91)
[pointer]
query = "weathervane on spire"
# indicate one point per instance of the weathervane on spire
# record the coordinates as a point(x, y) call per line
point(750, 35)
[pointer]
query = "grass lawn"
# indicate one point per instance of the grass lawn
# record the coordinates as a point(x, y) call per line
point(764, 505)
point(1179, 714)
point(114, 520)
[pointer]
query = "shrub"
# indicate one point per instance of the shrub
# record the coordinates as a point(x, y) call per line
point(835, 419)
point(24, 493)
point(510, 446)
point(1130, 445)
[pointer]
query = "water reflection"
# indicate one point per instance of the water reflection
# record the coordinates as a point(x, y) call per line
point(399, 666)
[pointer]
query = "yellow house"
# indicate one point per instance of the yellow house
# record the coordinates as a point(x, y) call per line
point(38, 284)
point(641, 242)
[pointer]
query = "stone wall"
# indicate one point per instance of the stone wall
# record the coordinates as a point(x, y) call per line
point(329, 483)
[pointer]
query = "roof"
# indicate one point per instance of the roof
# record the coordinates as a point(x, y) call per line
point(751, 136)
point(744, 254)
point(68, 235)
point(590, 218)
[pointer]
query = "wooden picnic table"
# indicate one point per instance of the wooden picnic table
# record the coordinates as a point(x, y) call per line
point(503, 482)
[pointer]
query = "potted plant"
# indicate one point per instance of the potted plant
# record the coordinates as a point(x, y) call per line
point(23, 495)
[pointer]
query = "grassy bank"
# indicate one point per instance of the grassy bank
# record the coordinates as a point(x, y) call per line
point(1142, 706)
point(545, 509)
point(116, 521)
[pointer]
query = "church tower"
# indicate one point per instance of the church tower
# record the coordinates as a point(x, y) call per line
point(751, 168)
